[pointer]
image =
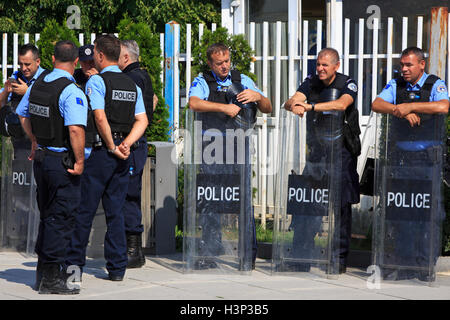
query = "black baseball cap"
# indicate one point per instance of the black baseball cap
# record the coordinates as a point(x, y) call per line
point(86, 52)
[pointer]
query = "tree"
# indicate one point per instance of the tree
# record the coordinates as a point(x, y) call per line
point(50, 35)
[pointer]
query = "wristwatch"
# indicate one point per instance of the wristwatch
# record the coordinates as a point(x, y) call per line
point(312, 105)
point(112, 150)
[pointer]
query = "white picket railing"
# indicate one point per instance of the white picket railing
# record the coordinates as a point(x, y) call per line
point(279, 85)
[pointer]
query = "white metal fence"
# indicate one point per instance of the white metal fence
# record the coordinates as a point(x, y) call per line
point(281, 61)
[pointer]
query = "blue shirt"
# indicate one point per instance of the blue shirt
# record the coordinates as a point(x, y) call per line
point(73, 104)
point(96, 90)
point(438, 92)
point(16, 74)
point(199, 87)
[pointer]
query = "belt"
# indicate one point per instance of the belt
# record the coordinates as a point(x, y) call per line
point(53, 153)
point(118, 135)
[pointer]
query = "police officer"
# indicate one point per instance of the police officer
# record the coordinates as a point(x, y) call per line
point(327, 77)
point(207, 96)
point(129, 64)
point(53, 114)
point(86, 56)
point(414, 99)
point(120, 119)
point(13, 91)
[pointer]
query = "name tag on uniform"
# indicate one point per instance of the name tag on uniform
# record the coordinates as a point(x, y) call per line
point(122, 95)
point(38, 110)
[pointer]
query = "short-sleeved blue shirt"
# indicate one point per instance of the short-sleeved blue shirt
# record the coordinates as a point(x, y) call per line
point(16, 75)
point(438, 92)
point(96, 90)
point(199, 87)
point(73, 104)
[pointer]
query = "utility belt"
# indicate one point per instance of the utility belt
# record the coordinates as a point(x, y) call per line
point(67, 156)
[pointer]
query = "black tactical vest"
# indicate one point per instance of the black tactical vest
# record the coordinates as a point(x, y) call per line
point(217, 93)
point(400, 128)
point(15, 98)
point(46, 121)
point(142, 79)
point(350, 125)
point(120, 101)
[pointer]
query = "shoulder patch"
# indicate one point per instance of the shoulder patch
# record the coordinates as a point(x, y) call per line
point(441, 88)
point(353, 87)
point(80, 101)
point(88, 91)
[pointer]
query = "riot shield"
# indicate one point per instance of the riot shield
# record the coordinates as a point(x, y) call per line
point(19, 213)
point(308, 193)
point(218, 230)
point(408, 197)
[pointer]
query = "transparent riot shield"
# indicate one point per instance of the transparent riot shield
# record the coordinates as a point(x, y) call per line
point(408, 197)
point(308, 193)
point(218, 230)
point(19, 213)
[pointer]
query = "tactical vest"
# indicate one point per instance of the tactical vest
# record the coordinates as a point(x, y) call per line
point(120, 101)
point(46, 121)
point(350, 120)
point(400, 128)
point(217, 93)
point(15, 98)
point(142, 79)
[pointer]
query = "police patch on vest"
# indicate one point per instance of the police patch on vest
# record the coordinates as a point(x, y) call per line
point(122, 95)
point(38, 110)
point(352, 87)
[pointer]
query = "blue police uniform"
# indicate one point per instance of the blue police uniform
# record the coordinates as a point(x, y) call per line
point(105, 177)
point(58, 193)
point(211, 231)
point(406, 152)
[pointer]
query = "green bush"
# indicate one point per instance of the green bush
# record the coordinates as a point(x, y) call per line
point(240, 51)
point(52, 33)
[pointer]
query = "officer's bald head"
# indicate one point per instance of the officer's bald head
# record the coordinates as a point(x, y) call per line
point(65, 51)
point(109, 45)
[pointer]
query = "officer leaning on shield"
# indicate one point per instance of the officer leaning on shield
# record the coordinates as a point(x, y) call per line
point(409, 208)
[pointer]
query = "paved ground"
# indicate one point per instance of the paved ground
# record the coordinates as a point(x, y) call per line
point(161, 279)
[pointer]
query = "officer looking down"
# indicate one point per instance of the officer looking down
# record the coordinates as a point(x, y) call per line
point(208, 99)
point(86, 56)
point(13, 91)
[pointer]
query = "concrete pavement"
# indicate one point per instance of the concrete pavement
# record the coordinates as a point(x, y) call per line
point(161, 278)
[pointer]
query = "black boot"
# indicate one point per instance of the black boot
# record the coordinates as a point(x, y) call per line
point(136, 258)
point(54, 282)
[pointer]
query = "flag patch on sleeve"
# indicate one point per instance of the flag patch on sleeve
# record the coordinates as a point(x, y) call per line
point(80, 101)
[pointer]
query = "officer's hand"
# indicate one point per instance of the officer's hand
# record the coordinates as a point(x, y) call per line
point(401, 110)
point(248, 96)
point(119, 154)
point(78, 168)
point(91, 72)
point(124, 148)
point(8, 86)
point(19, 88)
point(33, 150)
point(298, 109)
point(231, 110)
point(413, 119)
